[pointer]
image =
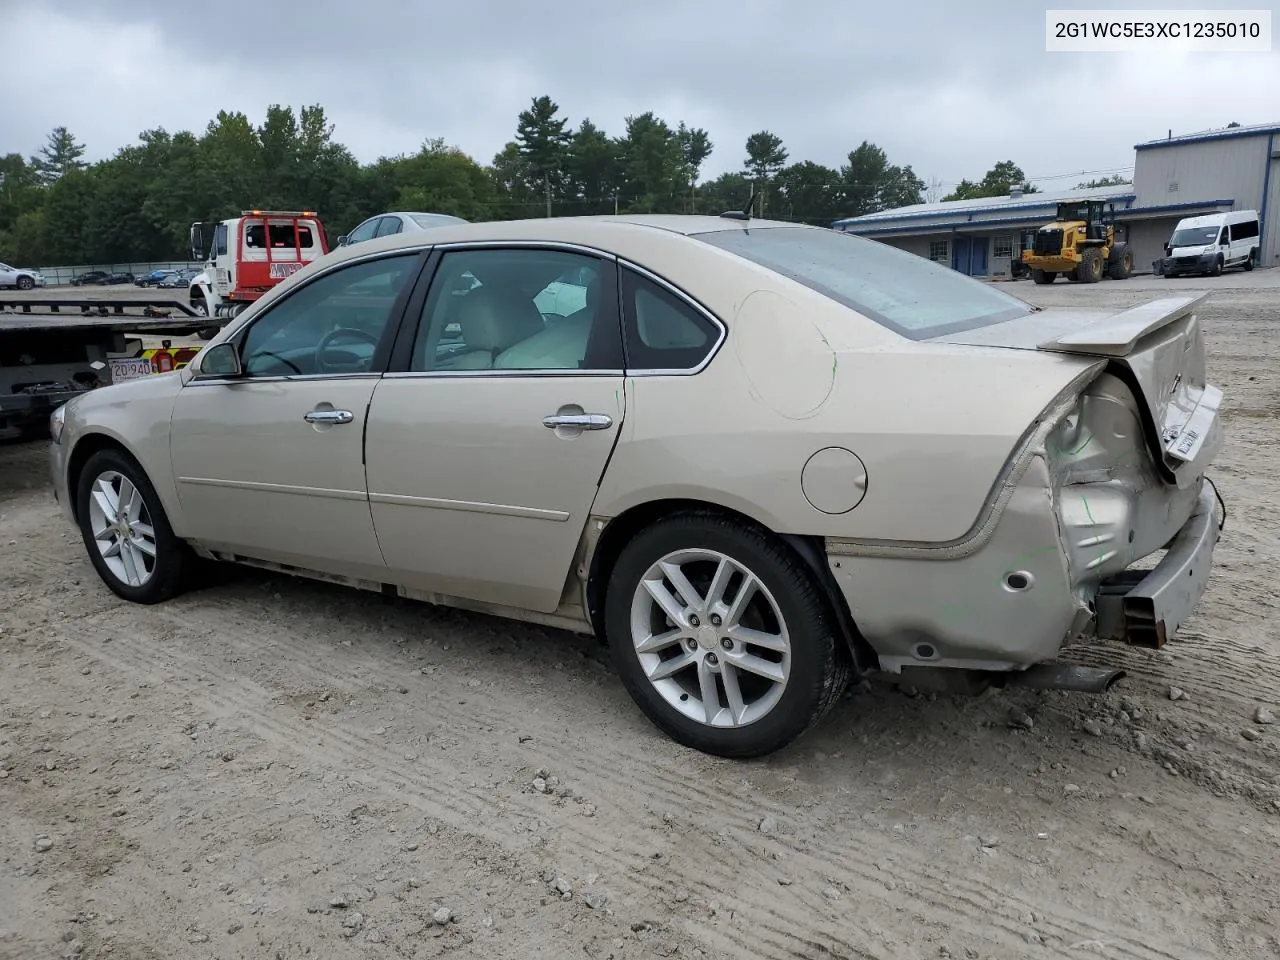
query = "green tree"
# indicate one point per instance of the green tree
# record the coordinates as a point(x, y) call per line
point(729, 191)
point(510, 176)
point(1115, 180)
point(651, 165)
point(543, 141)
point(900, 188)
point(440, 179)
point(117, 229)
point(872, 183)
point(66, 235)
point(997, 182)
point(231, 170)
point(139, 203)
point(765, 157)
point(19, 189)
point(60, 155)
point(593, 170)
point(809, 192)
point(695, 148)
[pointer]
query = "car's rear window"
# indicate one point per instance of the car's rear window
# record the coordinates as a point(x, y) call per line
point(428, 220)
point(910, 295)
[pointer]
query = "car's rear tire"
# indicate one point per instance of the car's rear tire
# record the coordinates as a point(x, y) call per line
point(25, 283)
point(771, 659)
point(126, 532)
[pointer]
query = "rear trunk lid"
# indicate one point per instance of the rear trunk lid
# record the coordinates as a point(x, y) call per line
point(1158, 348)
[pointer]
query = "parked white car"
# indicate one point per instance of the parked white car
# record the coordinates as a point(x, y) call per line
point(755, 458)
point(20, 278)
point(390, 224)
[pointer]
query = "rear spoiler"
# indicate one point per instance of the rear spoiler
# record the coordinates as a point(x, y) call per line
point(1117, 335)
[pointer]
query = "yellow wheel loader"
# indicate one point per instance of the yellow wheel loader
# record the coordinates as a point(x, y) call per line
point(1081, 244)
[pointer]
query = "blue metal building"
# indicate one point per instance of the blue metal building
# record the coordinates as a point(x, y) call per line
point(1235, 168)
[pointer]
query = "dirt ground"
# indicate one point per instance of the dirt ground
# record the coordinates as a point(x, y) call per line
point(271, 768)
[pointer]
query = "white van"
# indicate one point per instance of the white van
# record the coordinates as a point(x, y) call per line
point(1208, 244)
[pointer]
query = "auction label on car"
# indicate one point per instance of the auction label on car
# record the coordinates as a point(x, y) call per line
point(130, 369)
point(1186, 445)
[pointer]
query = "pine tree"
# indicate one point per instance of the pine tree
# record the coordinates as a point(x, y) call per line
point(59, 156)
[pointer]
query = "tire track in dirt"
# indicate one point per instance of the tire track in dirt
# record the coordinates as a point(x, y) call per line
point(390, 765)
point(353, 749)
point(962, 899)
point(1221, 695)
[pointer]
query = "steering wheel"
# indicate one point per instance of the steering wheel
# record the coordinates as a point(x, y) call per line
point(333, 335)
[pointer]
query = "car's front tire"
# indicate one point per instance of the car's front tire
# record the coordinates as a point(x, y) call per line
point(126, 532)
point(721, 636)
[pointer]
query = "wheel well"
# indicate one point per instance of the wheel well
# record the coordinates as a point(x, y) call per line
point(810, 550)
point(86, 448)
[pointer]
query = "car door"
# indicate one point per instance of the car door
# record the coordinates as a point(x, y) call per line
point(8, 276)
point(270, 464)
point(488, 438)
point(1240, 242)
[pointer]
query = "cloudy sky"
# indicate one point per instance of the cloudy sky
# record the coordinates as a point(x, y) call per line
point(947, 87)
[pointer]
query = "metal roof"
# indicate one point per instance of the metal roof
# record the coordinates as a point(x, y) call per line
point(962, 211)
point(1223, 133)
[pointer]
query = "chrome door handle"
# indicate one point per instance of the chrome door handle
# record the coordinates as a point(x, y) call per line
point(329, 416)
point(582, 421)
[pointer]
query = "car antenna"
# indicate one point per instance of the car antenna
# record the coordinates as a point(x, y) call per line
point(741, 214)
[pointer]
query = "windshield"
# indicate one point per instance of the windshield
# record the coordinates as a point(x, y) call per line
point(1194, 236)
point(1073, 211)
point(910, 295)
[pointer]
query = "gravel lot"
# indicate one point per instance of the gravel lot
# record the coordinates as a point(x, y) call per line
point(275, 768)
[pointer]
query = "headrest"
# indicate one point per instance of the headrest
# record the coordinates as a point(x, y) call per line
point(493, 319)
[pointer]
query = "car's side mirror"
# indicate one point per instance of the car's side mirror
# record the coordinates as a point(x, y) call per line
point(342, 240)
point(221, 361)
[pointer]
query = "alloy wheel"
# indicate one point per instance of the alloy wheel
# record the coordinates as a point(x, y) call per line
point(122, 528)
point(710, 638)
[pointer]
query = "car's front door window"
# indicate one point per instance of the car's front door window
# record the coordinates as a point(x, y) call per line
point(533, 310)
point(365, 231)
point(333, 325)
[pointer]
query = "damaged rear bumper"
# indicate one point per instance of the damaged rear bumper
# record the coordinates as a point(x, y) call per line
point(1146, 607)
